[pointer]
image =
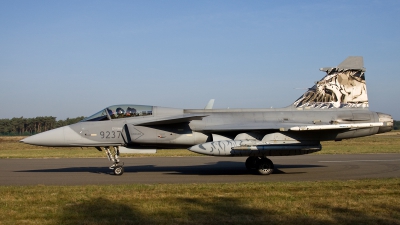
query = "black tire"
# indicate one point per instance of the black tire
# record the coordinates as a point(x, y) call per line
point(265, 166)
point(118, 170)
point(251, 162)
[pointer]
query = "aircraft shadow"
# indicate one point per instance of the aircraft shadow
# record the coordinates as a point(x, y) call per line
point(219, 168)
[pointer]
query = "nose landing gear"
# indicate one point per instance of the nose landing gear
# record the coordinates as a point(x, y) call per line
point(113, 155)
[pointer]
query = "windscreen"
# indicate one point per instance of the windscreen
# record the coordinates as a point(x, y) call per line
point(121, 111)
point(99, 116)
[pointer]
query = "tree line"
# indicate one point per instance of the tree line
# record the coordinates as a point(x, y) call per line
point(396, 125)
point(29, 126)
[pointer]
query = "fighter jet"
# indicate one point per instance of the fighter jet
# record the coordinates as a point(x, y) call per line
point(335, 108)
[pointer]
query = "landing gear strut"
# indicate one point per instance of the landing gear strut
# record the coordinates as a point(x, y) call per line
point(262, 165)
point(113, 155)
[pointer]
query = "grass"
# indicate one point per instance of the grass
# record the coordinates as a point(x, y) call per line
point(372, 201)
point(386, 143)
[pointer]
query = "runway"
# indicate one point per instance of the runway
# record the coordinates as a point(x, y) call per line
point(151, 170)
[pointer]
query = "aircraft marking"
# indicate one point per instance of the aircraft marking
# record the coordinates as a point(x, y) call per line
point(107, 134)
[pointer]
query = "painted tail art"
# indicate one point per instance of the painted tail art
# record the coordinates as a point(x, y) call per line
point(342, 87)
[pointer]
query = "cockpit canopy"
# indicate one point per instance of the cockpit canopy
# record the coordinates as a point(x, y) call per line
point(120, 111)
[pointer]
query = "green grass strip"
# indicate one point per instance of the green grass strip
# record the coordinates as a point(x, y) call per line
point(371, 201)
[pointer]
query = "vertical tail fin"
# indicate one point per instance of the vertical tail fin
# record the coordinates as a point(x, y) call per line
point(343, 86)
point(210, 104)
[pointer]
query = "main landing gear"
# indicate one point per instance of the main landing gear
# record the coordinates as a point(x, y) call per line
point(113, 155)
point(262, 165)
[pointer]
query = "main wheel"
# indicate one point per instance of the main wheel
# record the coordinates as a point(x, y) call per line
point(265, 166)
point(251, 162)
point(118, 170)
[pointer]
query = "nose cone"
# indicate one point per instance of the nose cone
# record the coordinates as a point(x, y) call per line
point(53, 138)
point(199, 149)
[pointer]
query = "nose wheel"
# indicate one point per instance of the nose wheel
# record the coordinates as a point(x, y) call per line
point(118, 170)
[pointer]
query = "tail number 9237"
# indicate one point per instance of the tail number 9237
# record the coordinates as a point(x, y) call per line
point(110, 134)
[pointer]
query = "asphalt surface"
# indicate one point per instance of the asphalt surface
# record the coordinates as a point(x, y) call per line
point(148, 170)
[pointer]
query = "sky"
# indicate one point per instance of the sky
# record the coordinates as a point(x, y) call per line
point(74, 58)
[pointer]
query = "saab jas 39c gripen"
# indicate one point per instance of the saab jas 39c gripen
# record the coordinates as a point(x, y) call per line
point(335, 108)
